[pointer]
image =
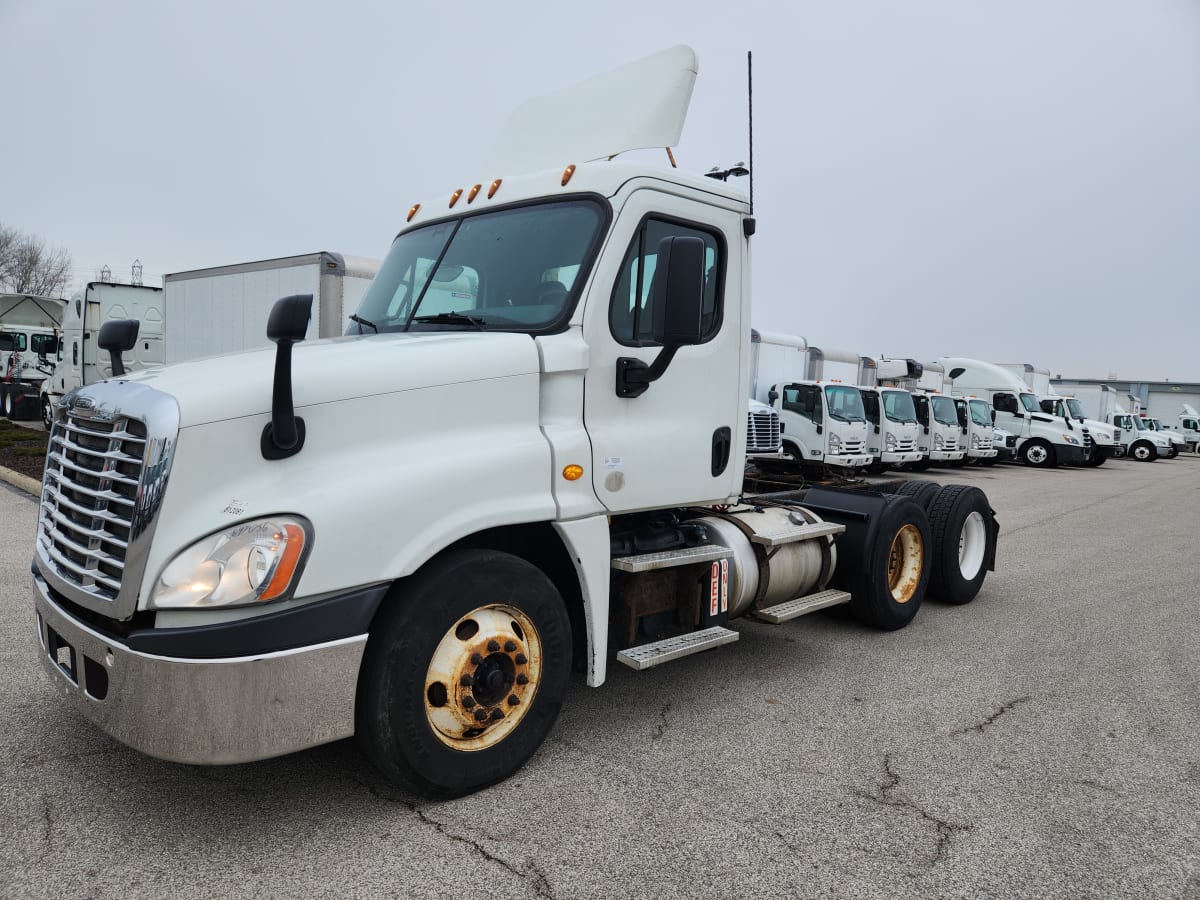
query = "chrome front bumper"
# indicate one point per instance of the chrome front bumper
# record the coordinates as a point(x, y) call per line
point(202, 711)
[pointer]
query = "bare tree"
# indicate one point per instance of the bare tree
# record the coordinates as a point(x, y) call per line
point(28, 266)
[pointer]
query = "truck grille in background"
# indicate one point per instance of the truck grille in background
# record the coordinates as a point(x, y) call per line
point(852, 448)
point(905, 445)
point(93, 470)
point(762, 432)
point(1087, 441)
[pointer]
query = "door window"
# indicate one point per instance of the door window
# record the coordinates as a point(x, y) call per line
point(631, 314)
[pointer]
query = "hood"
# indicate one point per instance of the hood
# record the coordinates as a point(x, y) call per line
point(757, 407)
point(240, 384)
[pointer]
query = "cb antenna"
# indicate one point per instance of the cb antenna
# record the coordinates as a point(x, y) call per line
point(750, 115)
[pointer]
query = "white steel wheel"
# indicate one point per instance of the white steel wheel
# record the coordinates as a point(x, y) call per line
point(483, 677)
point(972, 545)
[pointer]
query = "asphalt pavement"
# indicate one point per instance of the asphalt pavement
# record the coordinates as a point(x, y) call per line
point(1042, 741)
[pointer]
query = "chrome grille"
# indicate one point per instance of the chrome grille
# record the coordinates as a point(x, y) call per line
point(109, 456)
point(93, 469)
point(762, 432)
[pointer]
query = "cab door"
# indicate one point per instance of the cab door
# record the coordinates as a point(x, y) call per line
point(682, 441)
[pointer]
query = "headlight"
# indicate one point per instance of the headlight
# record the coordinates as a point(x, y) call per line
point(975, 442)
point(890, 442)
point(252, 562)
point(835, 444)
point(1069, 439)
point(938, 442)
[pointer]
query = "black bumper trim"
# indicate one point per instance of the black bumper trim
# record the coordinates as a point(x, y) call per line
point(334, 618)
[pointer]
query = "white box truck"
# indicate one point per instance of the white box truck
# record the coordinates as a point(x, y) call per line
point(893, 430)
point(1189, 426)
point(1103, 403)
point(29, 336)
point(244, 556)
point(224, 309)
point(941, 439)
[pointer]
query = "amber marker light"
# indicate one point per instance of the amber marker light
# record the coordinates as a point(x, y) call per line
point(495, 187)
point(294, 535)
point(474, 193)
point(454, 197)
point(567, 173)
point(413, 210)
point(573, 472)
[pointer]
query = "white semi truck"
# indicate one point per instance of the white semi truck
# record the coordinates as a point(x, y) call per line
point(823, 422)
point(1131, 438)
point(1065, 406)
point(1189, 427)
point(29, 336)
point(244, 556)
point(79, 361)
point(1043, 440)
point(1178, 441)
point(224, 309)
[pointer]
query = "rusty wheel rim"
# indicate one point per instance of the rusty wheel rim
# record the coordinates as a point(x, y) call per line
point(906, 560)
point(482, 678)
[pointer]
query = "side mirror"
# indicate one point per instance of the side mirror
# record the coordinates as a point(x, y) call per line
point(118, 336)
point(772, 396)
point(993, 417)
point(677, 299)
point(283, 436)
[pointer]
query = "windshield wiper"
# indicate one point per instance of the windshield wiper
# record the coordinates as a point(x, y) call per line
point(360, 322)
point(452, 318)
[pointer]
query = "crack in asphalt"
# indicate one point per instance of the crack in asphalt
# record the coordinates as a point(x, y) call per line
point(884, 795)
point(979, 727)
point(530, 873)
point(662, 723)
point(47, 824)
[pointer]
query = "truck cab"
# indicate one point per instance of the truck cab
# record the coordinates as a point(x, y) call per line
point(1178, 441)
point(1103, 435)
point(892, 426)
point(1140, 441)
point(940, 428)
point(1189, 427)
point(824, 423)
point(975, 425)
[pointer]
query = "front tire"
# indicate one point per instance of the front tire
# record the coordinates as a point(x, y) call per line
point(47, 413)
point(1038, 454)
point(464, 674)
point(964, 541)
point(1143, 451)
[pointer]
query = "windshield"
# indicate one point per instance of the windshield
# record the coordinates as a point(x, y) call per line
point(1139, 424)
point(1029, 401)
point(943, 409)
point(898, 406)
point(1076, 409)
point(845, 403)
point(980, 413)
point(512, 270)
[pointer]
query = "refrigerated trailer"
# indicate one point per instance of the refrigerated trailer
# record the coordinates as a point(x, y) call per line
point(412, 534)
point(224, 309)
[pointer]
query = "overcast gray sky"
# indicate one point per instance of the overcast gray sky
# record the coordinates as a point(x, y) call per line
point(1017, 181)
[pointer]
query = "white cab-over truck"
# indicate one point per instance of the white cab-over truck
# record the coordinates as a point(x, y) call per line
point(940, 439)
point(29, 335)
point(823, 422)
point(411, 535)
point(893, 431)
point(1042, 440)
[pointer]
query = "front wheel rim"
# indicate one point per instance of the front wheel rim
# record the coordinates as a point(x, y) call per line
point(1037, 455)
point(972, 542)
point(906, 560)
point(483, 677)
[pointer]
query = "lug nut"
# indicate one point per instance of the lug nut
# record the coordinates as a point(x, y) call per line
point(468, 702)
point(496, 714)
point(521, 660)
point(476, 659)
point(510, 646)
point(513, 700)
point(493, 646)
point(522, 679)
point(466, 681)
point(481, 715)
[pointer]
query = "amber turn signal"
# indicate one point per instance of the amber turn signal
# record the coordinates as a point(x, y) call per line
point(572, 472)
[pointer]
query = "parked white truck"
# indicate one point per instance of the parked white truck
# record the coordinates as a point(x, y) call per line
point(245, 556)
point(1189, 427)
point(79, 361)
point(893, 431)
point(1042, 440)
point(29, 335)
point(224, 309)
point(1178, 441)
point(978, 431)
point(1132, 439)
point(939, 438)
point(823, 423)
point(1055, 403)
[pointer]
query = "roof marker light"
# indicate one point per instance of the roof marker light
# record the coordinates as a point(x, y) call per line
point(474, 193)
point(454, 197)
point(495, 187)
point(413, 210)
point(567, 173)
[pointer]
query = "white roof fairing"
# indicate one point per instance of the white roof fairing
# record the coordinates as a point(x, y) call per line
point(637, 106)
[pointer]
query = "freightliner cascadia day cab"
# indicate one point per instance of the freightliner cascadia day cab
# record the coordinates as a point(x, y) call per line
point(30, 327)
point(79, 360)
point(824, 423)
point(1043, 441)
point(244, 556)
point(1063, 405)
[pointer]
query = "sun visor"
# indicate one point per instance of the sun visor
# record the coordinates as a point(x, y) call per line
point(637, 106)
